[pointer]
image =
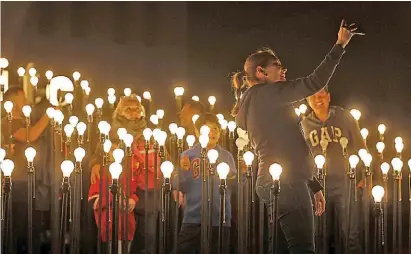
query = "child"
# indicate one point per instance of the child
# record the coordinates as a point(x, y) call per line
point(95, 195)
point(191, 186)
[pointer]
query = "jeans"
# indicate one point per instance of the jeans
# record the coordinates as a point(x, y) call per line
point(295, 213)
point(189, 239)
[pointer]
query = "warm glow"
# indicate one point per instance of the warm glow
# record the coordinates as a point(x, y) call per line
point(115, 170)
point(21, 71)
point(76, 76)
point(7, 167)
point(118, 155)
point(344, 142)
point(32, 72)
point(204, 130)
point(220, 117)
point(380, 147)
point(302, 108)
point(248, 158)
point(67, 168)
point(362, 153)
point(84, 84)
point(49, 74)
point(8, 106)
point(73, 120)
point(377, 193)
point(364, 133)
point(275, 171)
point(160, 113)
point(68, 129)
point(26, 111)
point(111, 99)
point(99, 103)
point(127, 92)
point(191, 139)
point(69, 98)
point(399, 147)
point(90, 109)
point(147, 95)
point(382, 129)
point(385, 167)
point(231, 126)
point(178, 91)
point(212, 156)
point(180, 132)
point(34, 81)
point(173, 128)
point(111, 91)
point(154, 119)
point(107, 145)
point(195, 98)
point(353, 161)
point(398, 140)
point(81, 128)
point(147, 133)
point(4, 63)
point(167, 169)
point(212, 100)
point(30, 153)
point(297, 111)
point(195, 118)
point(222, 170)
point(241, 143)
point(204, 141)
point(79, 154)
point(356, 114)
point(319, 161)
point(397, 164)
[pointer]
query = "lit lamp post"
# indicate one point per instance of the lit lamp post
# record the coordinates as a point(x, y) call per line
point(173, 140)
point(147, 102)
point(381, 131)
point(128, 142)
point(212, 155)
point(356, 114)
point(154, 120)
point(167, 169)
point(180, 132)
point(224, 124)
point(79, 154)
point(147, 133)
point(222, 170)
point(191, 139)
point(275, 172)
point(195, 118)
point(115, 171)
point(179, 92)
point(34, 82)
point(7, 167)
point(67, 168)
point(380, 148)
point(231, 128)
point(399, 146)
point(111, 101)
point(378, 194)
point(204, 139)
point(385, 167)
point(81, 129)
point(367, 159)
point(241, 143)
point(212, 100)
point(26, 112)
point(160, 116)
point(90, 111)
point(249, 202)
point(30, 153)
point(8, 107)
point(397, 165)
point(195, 98)
point(49, 75)
point(353, 160)
point(118, 155)
point(127, 92)
point(21, 71)
point(321, 226)
point(68, 98)
point(99, 105)
point(68, 130)
point(303, 109)
point(364, 134)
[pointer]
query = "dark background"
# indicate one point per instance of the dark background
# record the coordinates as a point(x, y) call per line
point(156, 45)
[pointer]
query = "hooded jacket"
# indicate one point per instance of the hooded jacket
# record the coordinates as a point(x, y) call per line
point(266, 111)
point(338, 124)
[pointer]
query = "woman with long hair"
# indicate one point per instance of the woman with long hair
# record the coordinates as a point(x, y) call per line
point(266, 111)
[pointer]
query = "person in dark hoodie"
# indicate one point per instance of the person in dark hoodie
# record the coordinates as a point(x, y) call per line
point(266, 111)
point(333, 123)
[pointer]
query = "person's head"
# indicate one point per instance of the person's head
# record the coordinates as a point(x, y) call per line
point(261, 67)
point(16, 95)
point(130, 108)
point(320, 101)
point(190, 109)
point(211, 121)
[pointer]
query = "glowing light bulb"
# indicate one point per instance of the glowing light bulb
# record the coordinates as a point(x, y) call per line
point(111, 91)
point(30, 153)
point(302, 108)
point(49, 74)
point(220, 117)
point(275, 171)
point(32, 72)
point(68, 129)
point(353, 161)
point(398, 140)
point(399, 147)
point(81, 128)
point(356, 114)
point(204, 141)
point(162, 138)
point(127, 92)
point(397, 164)
point(224, 124)
point(167, 169)
point(344, 142)
point(8, 106)
point(26, 111)
point(378, 193)
point(4, 63)
point(99, 103)
point(69, 98)
point(154, 119)
point(204, 130)
point(222, 170)
point(7, 167)
point(409, 163)
point(121, 132)
point(138, 98)
point(111, 99)
point(147, 133)
point(173, 128)
point(231, 126)
point(73, 120)
point(248, 158)
point(67, 168)
point(58, 116)
point(76, 76)
point(241, 143)
point(241, 133)
point(160, 113)
point(118, 155)
point(362, 153)
point(319, 161)
point(195, 118)
point(367, 160)
point(212, 155)
point(34, 81)
point(190, 140)
point(297, 111)
point(364, 133)
point(178, 91)
point(147, 95)
point(84, 84)
point(380, 147)
point(382, 129)
point(195, 98)
point(128, 140)
point(21, 71)
point(90, 109)
point(107, 146)
point(104, 127)
point(50, 113)
point(180, 132)
point(115, 170)
point(212, 100)
point(385, 167)
point(79, 154)
point(87, 91)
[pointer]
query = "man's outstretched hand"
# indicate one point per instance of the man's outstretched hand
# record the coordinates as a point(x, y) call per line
point(345, 33)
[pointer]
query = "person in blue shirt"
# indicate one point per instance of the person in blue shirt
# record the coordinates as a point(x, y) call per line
point(191, 185)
